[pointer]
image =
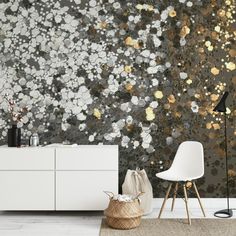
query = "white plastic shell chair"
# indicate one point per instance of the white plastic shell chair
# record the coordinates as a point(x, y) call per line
point(188, 165)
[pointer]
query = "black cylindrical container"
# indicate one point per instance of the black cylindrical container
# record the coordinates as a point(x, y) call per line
point(14, 136)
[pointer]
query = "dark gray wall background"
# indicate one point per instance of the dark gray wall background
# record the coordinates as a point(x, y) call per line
point(142, 74)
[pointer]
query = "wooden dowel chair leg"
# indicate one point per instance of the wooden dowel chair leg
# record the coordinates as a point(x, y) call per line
point(199, 199)
point(174, 196)
point(186, 204)
point(164, 202)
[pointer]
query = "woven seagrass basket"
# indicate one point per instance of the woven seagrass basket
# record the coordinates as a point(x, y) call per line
point(123, 215)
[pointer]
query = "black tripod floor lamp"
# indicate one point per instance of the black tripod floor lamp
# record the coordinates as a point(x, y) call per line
point(221, 107)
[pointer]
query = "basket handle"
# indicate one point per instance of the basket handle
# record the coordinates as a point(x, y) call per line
point(109, 194)
point(139, 194)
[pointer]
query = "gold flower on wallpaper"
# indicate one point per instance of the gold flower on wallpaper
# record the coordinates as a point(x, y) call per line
point(97, 113)
point(158, 94)
point(215, 71)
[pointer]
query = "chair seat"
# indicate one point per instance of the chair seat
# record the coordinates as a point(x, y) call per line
point(175, 176)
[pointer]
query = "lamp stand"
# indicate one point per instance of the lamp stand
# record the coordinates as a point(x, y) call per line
point(226, 213)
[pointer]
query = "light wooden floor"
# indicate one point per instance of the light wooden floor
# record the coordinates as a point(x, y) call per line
point(88, 223)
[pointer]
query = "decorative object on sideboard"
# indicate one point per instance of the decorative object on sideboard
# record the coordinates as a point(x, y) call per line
point(16, 116)
point(14, 136)
point(124, 211)
point(34, 140)
point(137, 181)
point(221, 107)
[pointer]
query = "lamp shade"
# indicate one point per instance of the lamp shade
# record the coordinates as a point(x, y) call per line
point(221, 107)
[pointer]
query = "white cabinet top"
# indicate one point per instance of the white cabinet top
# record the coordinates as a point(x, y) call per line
point(62, 158)
point(27, 158)
point(87, 157)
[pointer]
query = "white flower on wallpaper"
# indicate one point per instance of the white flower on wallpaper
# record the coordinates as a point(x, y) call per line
point(48, 60)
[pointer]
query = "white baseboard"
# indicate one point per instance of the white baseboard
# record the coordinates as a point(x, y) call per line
point(209, 203)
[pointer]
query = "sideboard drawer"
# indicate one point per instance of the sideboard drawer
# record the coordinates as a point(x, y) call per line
point(27, 190)
point(34, 158)
point(83, 190)
point(87, 157)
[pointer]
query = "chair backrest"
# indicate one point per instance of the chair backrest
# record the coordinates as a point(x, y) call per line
point(189, 159)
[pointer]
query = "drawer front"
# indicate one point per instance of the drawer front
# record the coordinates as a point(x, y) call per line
point(87, 157)
point(83, 190)
point(26, 190)
point(27, 158)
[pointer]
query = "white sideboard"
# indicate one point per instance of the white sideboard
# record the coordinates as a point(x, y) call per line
point(58, 178)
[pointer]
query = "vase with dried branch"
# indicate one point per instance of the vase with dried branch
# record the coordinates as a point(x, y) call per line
point(16, 116)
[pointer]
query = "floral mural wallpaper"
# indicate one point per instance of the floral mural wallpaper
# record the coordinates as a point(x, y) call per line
point(142, 74)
